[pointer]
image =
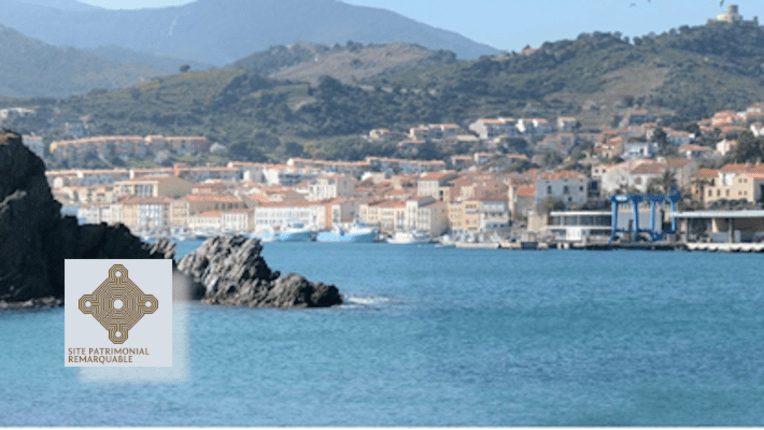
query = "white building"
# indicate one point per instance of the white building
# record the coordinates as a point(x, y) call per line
point(633, 150)
point(569, 187)
point(330, 186)
point(277, 214)
point(239, 220)
point(488, 128)
point(209, 221)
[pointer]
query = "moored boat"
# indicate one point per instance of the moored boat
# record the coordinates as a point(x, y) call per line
point(409, 237)
point(295, 232)
point(356, 233)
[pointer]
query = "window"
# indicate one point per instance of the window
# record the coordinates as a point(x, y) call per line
point(565, 190)
point(549, 189)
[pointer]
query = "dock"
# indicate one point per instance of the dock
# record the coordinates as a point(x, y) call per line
point(627, 246)
point(725, 247)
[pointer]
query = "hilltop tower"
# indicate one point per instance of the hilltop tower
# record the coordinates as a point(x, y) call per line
point(731, 16)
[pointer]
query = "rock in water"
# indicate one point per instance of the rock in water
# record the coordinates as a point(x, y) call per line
point(35, 239)
point(230, 271)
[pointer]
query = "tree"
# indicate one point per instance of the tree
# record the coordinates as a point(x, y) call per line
point(661, 138)
point(550, 204)
point(699, 183)
point(667, 180)
point(184, 68)
point(294, 149)
point(748, 148)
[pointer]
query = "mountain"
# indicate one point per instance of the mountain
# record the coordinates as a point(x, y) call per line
point(58, 4)
point(30, 67)
point(156, 62)
point(680, 76)
point(348, 63)
point(688, 73)
point(222, 31)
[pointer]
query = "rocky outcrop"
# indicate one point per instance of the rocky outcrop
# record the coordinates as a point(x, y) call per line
point(230, 271)
point(35, 239)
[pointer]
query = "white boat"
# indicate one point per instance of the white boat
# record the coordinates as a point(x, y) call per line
point(181, 234)
point(409, 237)
point(295, 232)
point(356, 233)
point(446, 241)
point(267, 234)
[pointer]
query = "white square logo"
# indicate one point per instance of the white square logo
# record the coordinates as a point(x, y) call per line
point(118, 313)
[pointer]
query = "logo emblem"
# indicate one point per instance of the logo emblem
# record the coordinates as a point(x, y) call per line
point(118, 304)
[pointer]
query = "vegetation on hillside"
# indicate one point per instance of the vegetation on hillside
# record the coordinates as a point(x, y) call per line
point(696, 71)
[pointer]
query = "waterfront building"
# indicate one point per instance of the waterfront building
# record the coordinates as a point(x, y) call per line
point(392, 215)
point(579, 226)
point(425, 213)
point(521, 199)
point(100, 212)
point(736, 182)
point(238, 220)
point(596, 226)
point(569, 187)
point(206, 222)
point(279, 214)
point(146, 213)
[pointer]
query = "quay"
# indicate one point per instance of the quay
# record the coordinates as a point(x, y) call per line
point(628, 246)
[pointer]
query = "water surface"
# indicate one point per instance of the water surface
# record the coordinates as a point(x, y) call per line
point(440, 336)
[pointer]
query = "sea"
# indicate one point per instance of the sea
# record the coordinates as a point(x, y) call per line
point(433, 336)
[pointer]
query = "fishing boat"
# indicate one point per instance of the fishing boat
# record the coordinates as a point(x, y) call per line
point(295, 232)
point(267, 234)
point(355, 233)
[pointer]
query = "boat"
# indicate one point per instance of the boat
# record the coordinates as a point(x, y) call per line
point(295, 232)
point(356, 233)
point(445, 241)
point(182, 234)
point(267, 234)
point(409, 237)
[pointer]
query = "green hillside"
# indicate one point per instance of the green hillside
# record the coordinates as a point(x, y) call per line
point(682, 75)
point(348, 63)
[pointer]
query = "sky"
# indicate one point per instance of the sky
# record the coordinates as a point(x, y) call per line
point(512, 24)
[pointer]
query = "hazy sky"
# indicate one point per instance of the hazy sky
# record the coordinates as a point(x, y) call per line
point(511, 24)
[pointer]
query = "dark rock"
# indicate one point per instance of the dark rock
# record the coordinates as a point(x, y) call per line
point(34, 238)
point(230, 271)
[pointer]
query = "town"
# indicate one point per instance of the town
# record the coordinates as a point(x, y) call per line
point(491, 196)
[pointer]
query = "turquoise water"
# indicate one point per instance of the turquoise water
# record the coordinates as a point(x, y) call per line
point(439, 336)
